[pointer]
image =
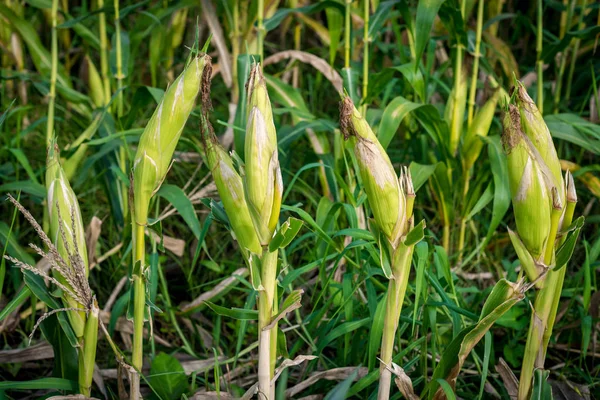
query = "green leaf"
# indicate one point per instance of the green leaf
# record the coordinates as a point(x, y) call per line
point(335, 21)
point(65, 355)
point(384, 257)
point(350, 78)
point(236, 313)
point(286, 233)
point(30, 187)
point(426, 12)
point(415, 235)
point(124, 54)
point(39, 289)
point(541, 387)
point(376, 332)
point(16, 301)
point(393, 114)
point(420, 173)
point(422, 250)
point(341, 330)
point(41, 384)
point(177, 197)
point(279, 15)
point(24, 161)
point(167, 377)
point(565, 251)
point(501, 188)
point(340, 391)
point(503, 296)
point(244, 64)
point(356, 233)
point(39, 54)
point(254, 265)
point(527, 261)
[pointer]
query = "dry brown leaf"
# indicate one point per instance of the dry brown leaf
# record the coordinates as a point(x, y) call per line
point(40, 351)
point(240, 272)
point(318, 63)
point(335, 374)
point(511, 383)
point(403, 382)
point(294, 306)
point(210, 16)
point(290, 363)
point(176, 246)
point(92, 233)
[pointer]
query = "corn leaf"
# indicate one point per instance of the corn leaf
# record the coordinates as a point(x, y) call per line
point(236, 313)
point(177, 197)
point(501, 299)
point(286, 233)
point(426, 13)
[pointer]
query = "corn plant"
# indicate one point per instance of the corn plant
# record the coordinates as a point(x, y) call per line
point(253, 204)
point(392, 201)
point(66, 252)
point(151, 164)
point(544, 204)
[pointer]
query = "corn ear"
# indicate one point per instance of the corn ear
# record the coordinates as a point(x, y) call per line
point(160, 137)
point(530, 189)
point(386, 198)
point(263, 182)
point(534, 127)
point(454, 113)
point(231, 190)
point(95, 84)
point(66, 228)
point(480, 127)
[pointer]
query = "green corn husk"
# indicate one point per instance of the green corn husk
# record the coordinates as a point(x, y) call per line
point(160, 137)
point(530, 189)
point(96, 87)
point(63, 209)
point(263, 182)
point(533, 125)
point(386, 198)
point(231, 190)
point(454, 113)
point(480, 127)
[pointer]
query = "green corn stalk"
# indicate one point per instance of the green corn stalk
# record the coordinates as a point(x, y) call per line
point(61, 203)
point(263, 186)
point(68, 236)
point(539, 194)
point(391, 200)
point(151, 164)
point(253, 204)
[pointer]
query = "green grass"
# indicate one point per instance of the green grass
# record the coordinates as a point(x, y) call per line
point(335, 256)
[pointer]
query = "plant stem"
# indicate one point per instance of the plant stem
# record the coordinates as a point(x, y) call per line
point(139, 305)
point(120, 76)
point(235, 51)
point(266, 353)
point(395, 297)
point(103, 53)
point(53, 74)
point(539, 62)
point(476, 56)
point(463, 218)
point(567, 220)
point(366, 41)
point(87, 351)
point(576, 45)
point(533, 357)
point(347, 35)
point(563, 62)
point(260, 29)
